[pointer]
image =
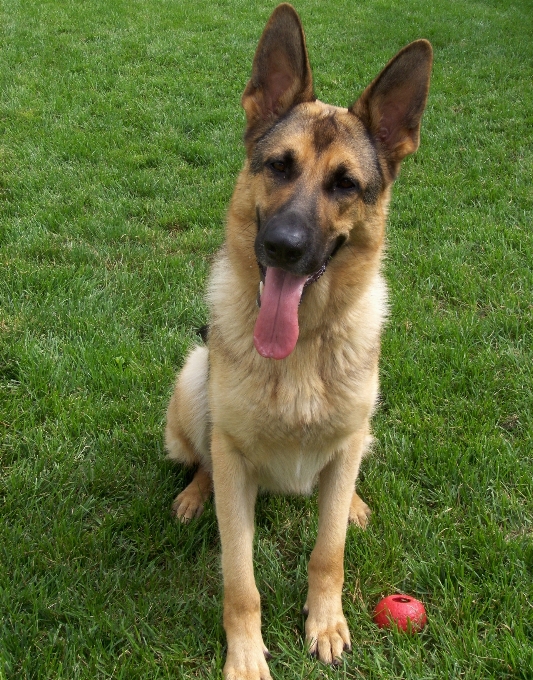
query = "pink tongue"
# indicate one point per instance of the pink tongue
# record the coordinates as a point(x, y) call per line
point(276, 329)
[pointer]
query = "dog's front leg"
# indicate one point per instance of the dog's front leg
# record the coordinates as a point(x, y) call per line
point(235, 488)
point(326, 630)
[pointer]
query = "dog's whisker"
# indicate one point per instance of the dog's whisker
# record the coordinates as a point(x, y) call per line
point(250, 224)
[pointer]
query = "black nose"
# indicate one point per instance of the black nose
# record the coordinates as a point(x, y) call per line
point(285, 241)
point(284, 248)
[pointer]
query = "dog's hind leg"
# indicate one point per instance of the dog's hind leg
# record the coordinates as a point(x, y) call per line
point(190, 502)
point(187, 433)
point(359, 511)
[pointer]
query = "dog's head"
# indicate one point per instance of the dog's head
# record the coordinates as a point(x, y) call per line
point(320, 175)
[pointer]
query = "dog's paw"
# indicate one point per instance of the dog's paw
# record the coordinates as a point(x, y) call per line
point(247, 663)
point(188, 505)
point(190, 502)
point(327, 637)
point(359, 512)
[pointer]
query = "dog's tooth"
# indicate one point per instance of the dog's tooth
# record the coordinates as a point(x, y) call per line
point(259, 293)
point(261, 286)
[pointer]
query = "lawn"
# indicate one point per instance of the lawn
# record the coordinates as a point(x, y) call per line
point(120, 140)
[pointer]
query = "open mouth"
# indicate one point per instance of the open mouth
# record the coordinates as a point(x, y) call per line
point(308, 280)
point(280, 293)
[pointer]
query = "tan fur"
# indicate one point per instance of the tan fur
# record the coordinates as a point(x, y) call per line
point(249, 422)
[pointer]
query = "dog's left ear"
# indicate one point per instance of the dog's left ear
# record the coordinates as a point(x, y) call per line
point(281, 75)
point(392, 105)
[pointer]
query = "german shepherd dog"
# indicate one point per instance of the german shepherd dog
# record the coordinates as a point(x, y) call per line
point(281, 396)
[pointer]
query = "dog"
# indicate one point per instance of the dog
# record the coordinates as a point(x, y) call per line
point(281, 396)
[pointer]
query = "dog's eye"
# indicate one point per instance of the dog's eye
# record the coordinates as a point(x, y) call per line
point(345, 183)
point(279, 166)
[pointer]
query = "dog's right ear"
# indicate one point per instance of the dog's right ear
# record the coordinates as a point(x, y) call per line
point(392, 105)
point(281, 75)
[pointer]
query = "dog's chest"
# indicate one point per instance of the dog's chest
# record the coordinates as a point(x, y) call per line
point(290, 422)
point(292, 471)
point(294, 435)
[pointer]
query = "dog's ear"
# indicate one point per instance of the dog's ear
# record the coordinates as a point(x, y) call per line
point(392, 105)
point(281, 75)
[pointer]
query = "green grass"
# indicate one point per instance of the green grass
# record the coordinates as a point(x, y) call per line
point(120, 139)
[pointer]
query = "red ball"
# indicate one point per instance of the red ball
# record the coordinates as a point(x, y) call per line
point(400, 610)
